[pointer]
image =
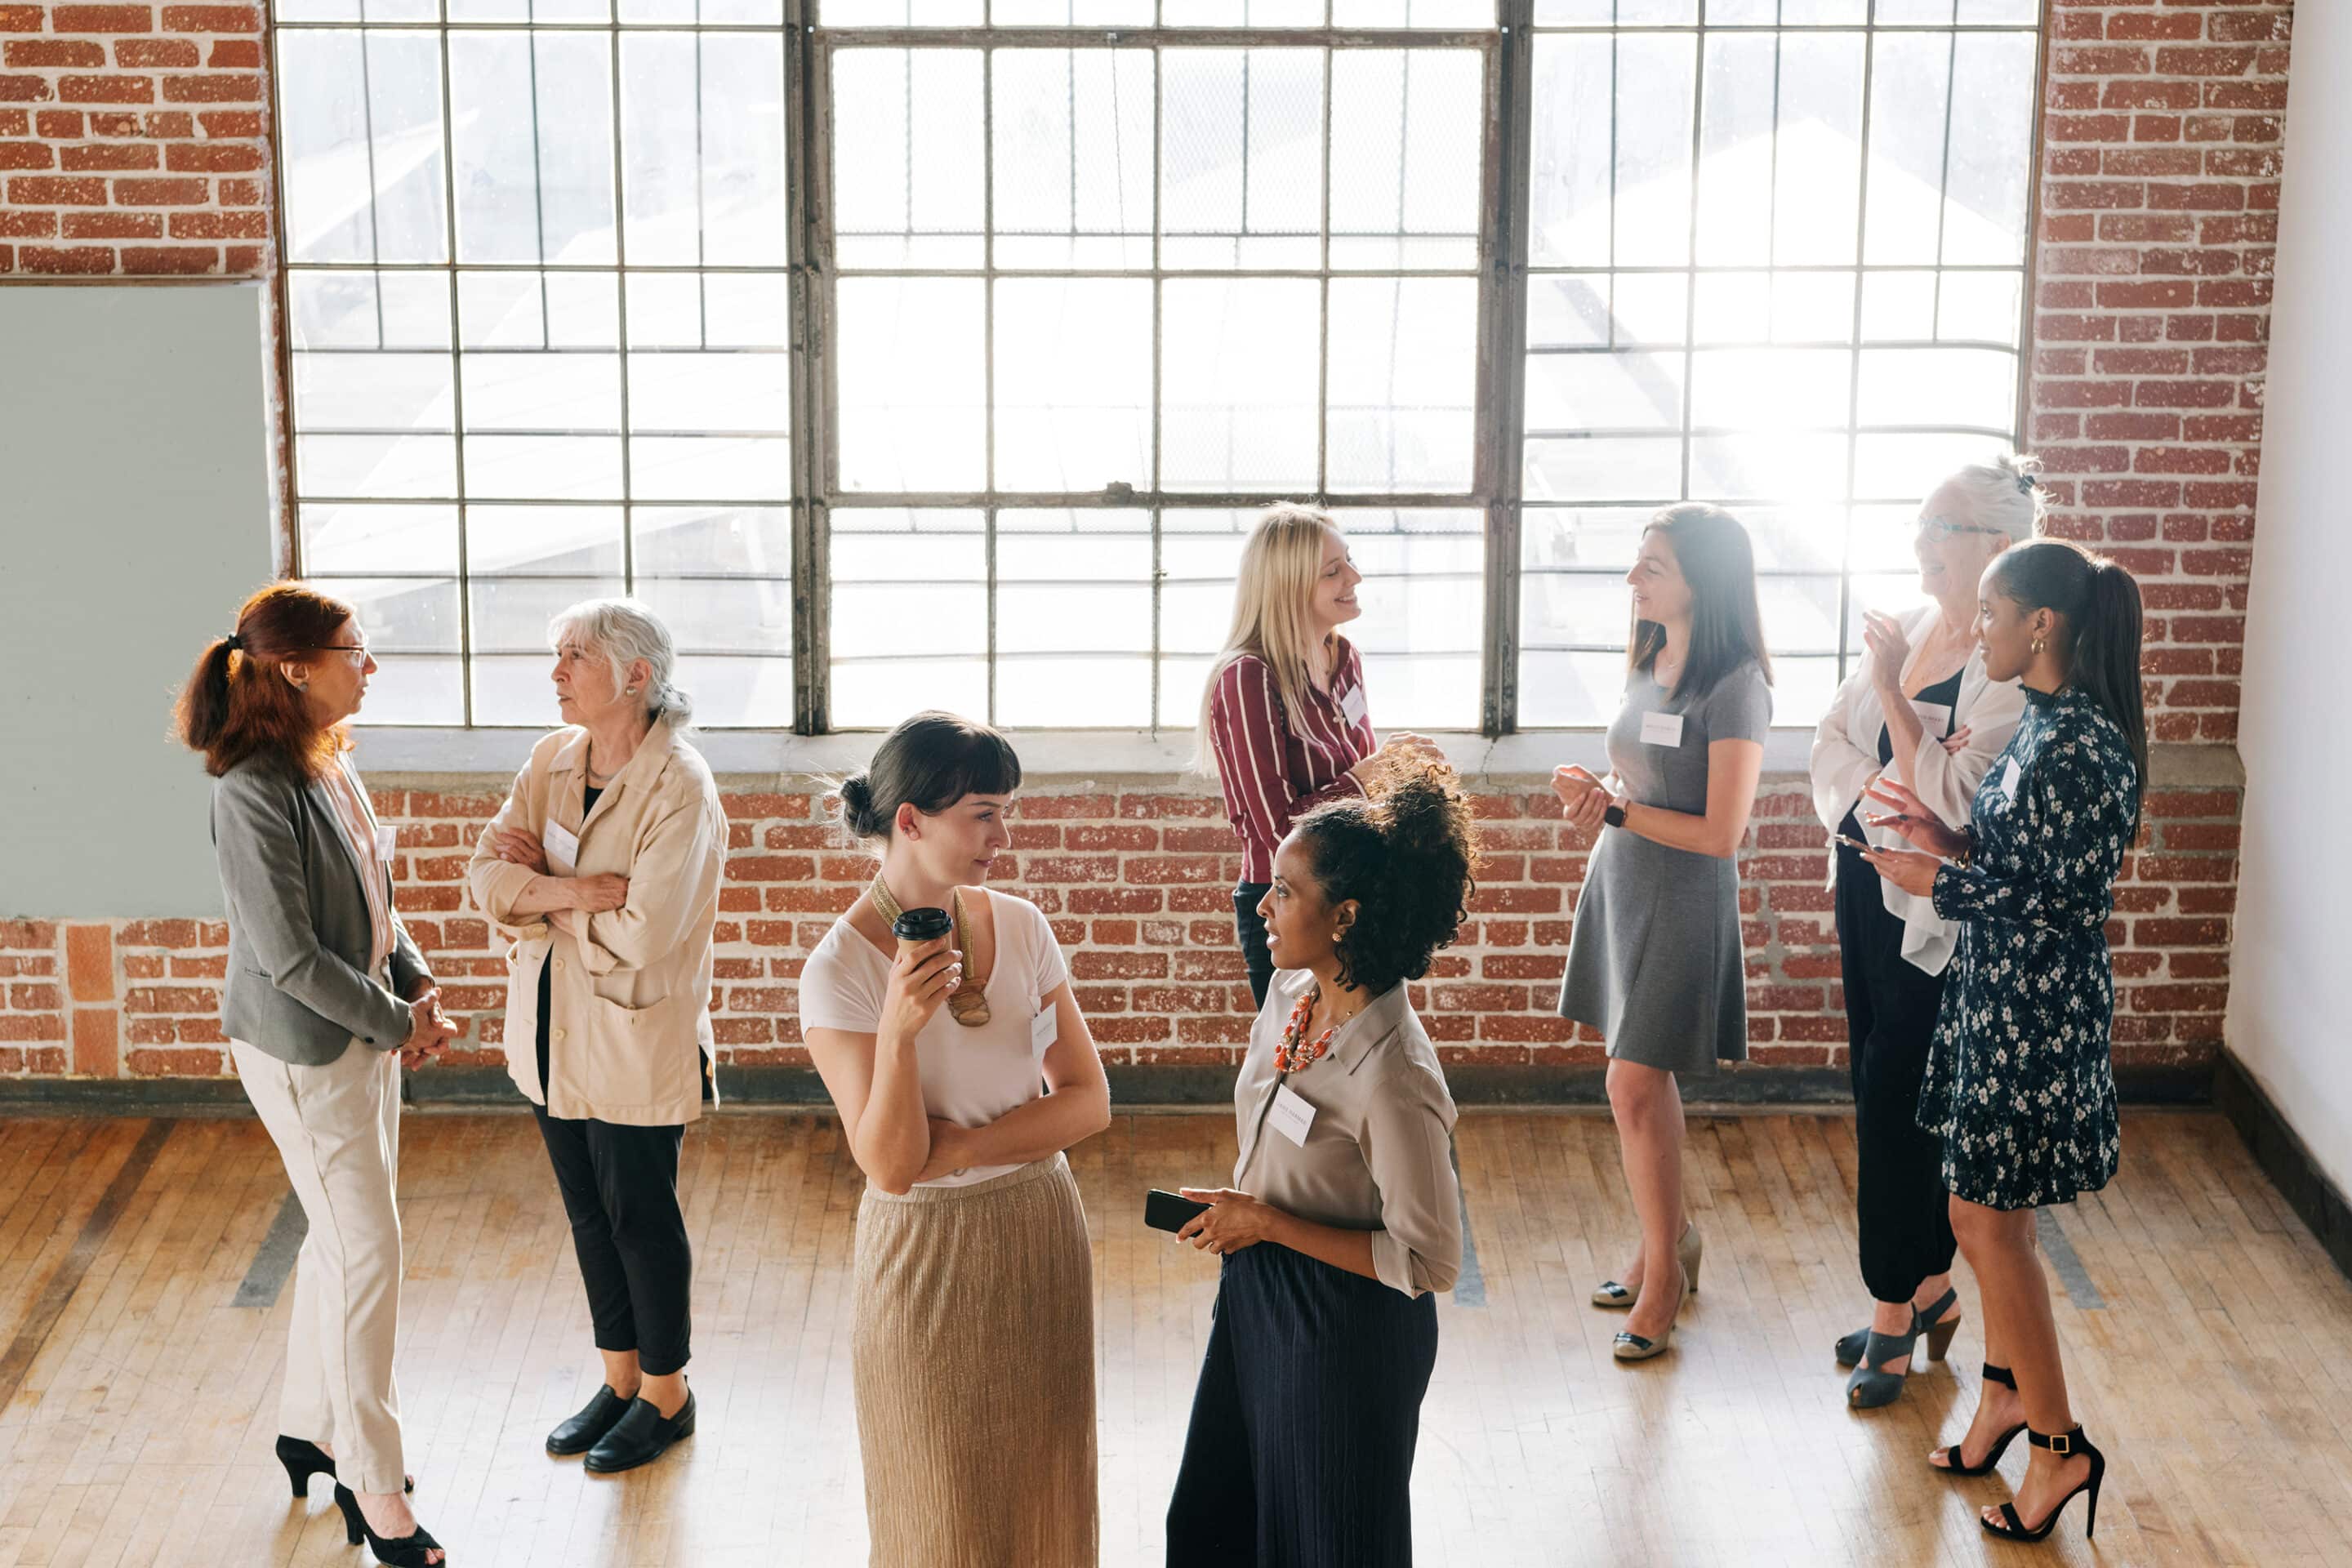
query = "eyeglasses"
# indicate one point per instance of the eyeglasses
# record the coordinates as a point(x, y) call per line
point(1936, 529)
point(360, 648)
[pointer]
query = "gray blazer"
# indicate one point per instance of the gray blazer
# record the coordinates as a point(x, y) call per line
point(299, 934)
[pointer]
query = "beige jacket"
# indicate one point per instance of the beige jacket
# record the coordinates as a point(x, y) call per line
point(631, 1004)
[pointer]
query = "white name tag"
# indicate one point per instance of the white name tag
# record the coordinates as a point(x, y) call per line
point(1934, 716)
point(562, 850)
point(1662, 729)
point(1042, 1030)
point(1352, 707)
point(2009, 780)
point(387, 839)
point(1290, 1115)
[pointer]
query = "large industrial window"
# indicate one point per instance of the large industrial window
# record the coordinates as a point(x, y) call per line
point(940, 353)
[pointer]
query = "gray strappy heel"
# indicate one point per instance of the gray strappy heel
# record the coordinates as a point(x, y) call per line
point(1939, 1328)
point(1871, 1385)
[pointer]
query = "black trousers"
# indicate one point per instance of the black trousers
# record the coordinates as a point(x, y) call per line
point(1901, 1211)
point(1300, 1449)
point(1252, 931)
point(620, 1187)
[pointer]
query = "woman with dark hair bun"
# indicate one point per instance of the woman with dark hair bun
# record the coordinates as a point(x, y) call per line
point(325, 989)
point(1344, 1214)
point(940, 1017)
point(2020, 1085)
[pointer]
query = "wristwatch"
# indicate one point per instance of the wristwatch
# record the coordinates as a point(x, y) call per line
point(1615, 816)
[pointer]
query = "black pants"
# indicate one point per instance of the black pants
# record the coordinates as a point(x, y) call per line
point(1252, 929)
point(620, 1187)
point(1903, 1214)
point(1300, 1454)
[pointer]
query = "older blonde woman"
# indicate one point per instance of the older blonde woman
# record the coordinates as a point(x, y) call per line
point(1921, 709)
point(603, 870)
point(1285, 718)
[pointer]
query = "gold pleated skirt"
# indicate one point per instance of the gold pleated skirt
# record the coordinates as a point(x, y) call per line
point(974, 1359)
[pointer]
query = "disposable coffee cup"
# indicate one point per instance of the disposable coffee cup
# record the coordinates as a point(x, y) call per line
point(913, 928)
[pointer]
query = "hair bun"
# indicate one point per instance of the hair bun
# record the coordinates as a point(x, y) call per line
point(857, 806)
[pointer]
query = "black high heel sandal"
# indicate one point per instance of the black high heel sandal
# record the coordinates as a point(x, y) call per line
point(407, 1551)
point(1992, 1373)
point(303, 1459)
point(2065, 1444)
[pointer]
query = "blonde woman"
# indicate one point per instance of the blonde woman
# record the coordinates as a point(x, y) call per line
point(1286, 720)
point(1919, 709)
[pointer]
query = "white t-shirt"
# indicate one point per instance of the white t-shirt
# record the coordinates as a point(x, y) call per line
point(971, 1076)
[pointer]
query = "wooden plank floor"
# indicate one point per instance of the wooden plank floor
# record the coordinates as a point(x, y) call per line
point(2216, 1367)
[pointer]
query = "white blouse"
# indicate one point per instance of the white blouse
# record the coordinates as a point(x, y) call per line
point(970, 1077)
point(1845, 758)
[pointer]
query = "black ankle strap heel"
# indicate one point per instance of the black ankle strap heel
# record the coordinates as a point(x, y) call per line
point(407, 1551)
point(2065, 1445)
point(304, 1458)
point(1952, 1465)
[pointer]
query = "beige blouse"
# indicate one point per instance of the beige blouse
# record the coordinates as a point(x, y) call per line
point(1377, 1154)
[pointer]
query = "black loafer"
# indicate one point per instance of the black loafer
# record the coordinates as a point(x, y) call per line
point(641, 1438)
point(580, 1433)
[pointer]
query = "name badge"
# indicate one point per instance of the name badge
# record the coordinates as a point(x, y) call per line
point(1352, 707)
point(1936, 718)
point(386, 840)
point(562, 850)
point(2009, 780)
point(1042, 1030)
point(1290, 1115)
point(1662, 729)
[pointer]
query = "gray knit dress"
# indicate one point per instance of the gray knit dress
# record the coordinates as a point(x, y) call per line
point(1655, 959)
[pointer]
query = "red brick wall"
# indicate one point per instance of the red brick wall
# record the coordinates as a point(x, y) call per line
point(2158, 216)
point(134, 140)
point(2159, 209)
point(1139, 886)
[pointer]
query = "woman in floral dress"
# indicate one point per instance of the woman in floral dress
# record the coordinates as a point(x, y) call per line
point(2018, 1084)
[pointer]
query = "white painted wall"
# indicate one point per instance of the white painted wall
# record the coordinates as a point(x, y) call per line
point(2290, 1019)
point(135, 514)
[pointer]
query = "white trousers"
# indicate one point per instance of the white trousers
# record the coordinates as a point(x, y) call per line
point(338, 1128)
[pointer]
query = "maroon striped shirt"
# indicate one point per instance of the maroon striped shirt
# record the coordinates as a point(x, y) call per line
point(1271, 775)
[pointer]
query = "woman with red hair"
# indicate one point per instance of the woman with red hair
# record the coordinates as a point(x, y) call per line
point(323, 988)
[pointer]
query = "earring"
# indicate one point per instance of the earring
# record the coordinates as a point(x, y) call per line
point(2037, 645)
point(628, 691)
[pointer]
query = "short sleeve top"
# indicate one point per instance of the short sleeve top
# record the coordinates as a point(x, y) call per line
point(1662, 759)
point(971, 1076)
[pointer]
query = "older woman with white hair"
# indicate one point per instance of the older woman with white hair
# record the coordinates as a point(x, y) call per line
point(602, 869)
point(1918, 709)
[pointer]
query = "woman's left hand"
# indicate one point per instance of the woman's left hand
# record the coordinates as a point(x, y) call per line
point(516, 847)
point(1889, 648)
point(951, 1150)
point(1909, 869)
point(1231, 1221)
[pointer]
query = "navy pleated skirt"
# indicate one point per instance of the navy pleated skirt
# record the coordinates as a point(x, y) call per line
point(1300, 1450)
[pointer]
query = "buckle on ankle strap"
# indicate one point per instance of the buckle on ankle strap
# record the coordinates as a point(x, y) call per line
point(2059, 1443)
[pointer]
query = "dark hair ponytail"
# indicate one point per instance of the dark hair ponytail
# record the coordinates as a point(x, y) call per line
point(2100, 604)
point(929, 762)
point(1408, 859)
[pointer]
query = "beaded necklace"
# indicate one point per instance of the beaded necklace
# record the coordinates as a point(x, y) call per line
point(1289, 1054)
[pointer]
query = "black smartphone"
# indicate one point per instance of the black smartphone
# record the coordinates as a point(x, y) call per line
point(1166, 1211)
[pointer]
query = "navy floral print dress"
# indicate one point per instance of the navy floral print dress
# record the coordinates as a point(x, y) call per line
point(2018, 1083)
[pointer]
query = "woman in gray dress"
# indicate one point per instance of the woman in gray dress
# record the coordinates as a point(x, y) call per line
point(1653, 960)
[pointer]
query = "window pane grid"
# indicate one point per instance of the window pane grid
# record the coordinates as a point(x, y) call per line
point(1754, 310)
point(580, 315)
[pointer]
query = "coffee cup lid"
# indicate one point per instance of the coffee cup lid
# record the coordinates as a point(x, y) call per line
point(921, 925)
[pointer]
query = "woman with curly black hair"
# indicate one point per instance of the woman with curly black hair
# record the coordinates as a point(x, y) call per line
point(1344, 1214)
